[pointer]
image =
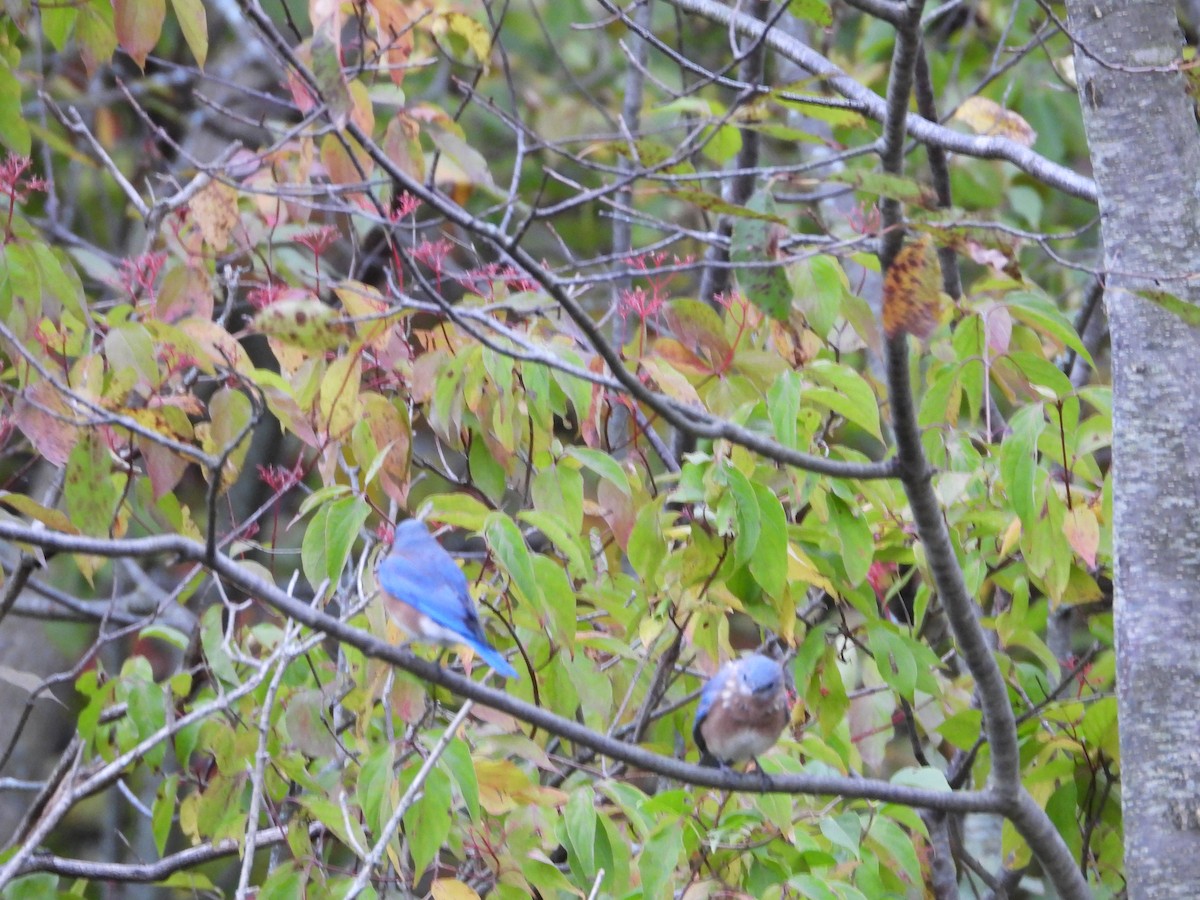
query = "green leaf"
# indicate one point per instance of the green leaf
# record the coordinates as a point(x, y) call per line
point(1041, 373)
point(713, 203)
point(457, 759)
point(783, 406)
point(329, 537)
point(1189, 312)
point(745, 511)
point(847, 394)
point(427, 822)
point(375, 787)
point(229, 414)
point(558, 600)
point(854, 534)
point(508, 547)
point(14, 131)
point(557, 492)
point(899, 847)
point(769, 564)
point(95, 33)
point(752, 240)
point(603, 465)
point(925, 778)
point(578, 559)
point(476, 36)
point(56, 22)
point(128, 347)
point(163, 812)
point(303, 322)
point(895, 187)
point(963, 728)
point(893, 659)
point(580, 820)
point(1018, 461)
point(843, 831)
point(486, 472)
point(722, 143)
point(91, 495)
point(285, 881)
point(1040, 314)
point(458, 509)
point(470, 161)
point(658, 859)
point(815, 11)
point(697, 326)
point(32, 887)
point(647, 547)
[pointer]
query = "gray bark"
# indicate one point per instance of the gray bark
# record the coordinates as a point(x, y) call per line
point(1145, 150)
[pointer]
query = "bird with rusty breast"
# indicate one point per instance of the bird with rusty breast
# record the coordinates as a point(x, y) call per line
point(742, 712)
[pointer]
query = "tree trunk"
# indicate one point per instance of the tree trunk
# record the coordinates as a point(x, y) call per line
point(1145, 149)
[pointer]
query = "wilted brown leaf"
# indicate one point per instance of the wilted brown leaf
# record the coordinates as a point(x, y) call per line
point(911, 291)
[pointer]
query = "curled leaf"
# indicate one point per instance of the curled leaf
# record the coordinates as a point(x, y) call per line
point(911, 291)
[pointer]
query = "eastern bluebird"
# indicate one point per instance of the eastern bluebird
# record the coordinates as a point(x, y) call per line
point(743, 710)
point(426, 594)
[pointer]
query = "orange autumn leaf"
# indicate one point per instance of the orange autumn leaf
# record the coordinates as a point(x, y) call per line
point(912, 291)
point(1082, 531)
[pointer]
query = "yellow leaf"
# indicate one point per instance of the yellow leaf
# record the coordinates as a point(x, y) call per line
point(55, 518)
point(340, 406)
point(303, 322)
point(1012, 536)
point(671, 382)
point(451, 889)
point(474, 34)
point(193, 22)
point(215, 210)
point(368, 308)
point(984, 116)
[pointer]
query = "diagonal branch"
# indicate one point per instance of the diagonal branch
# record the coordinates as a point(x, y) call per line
point(244, 580)
point(695, 422)
point(983, 147)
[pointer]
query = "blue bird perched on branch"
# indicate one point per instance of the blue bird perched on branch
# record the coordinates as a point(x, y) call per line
point(426, 594)
point(743, 710)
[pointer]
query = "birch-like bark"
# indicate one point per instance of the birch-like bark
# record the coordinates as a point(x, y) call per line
point(1145, 150)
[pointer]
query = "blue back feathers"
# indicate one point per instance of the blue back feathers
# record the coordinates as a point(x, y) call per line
point(420, 574)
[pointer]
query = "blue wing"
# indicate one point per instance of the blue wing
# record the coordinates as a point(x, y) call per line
point(708, 696)
point(427, 579)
